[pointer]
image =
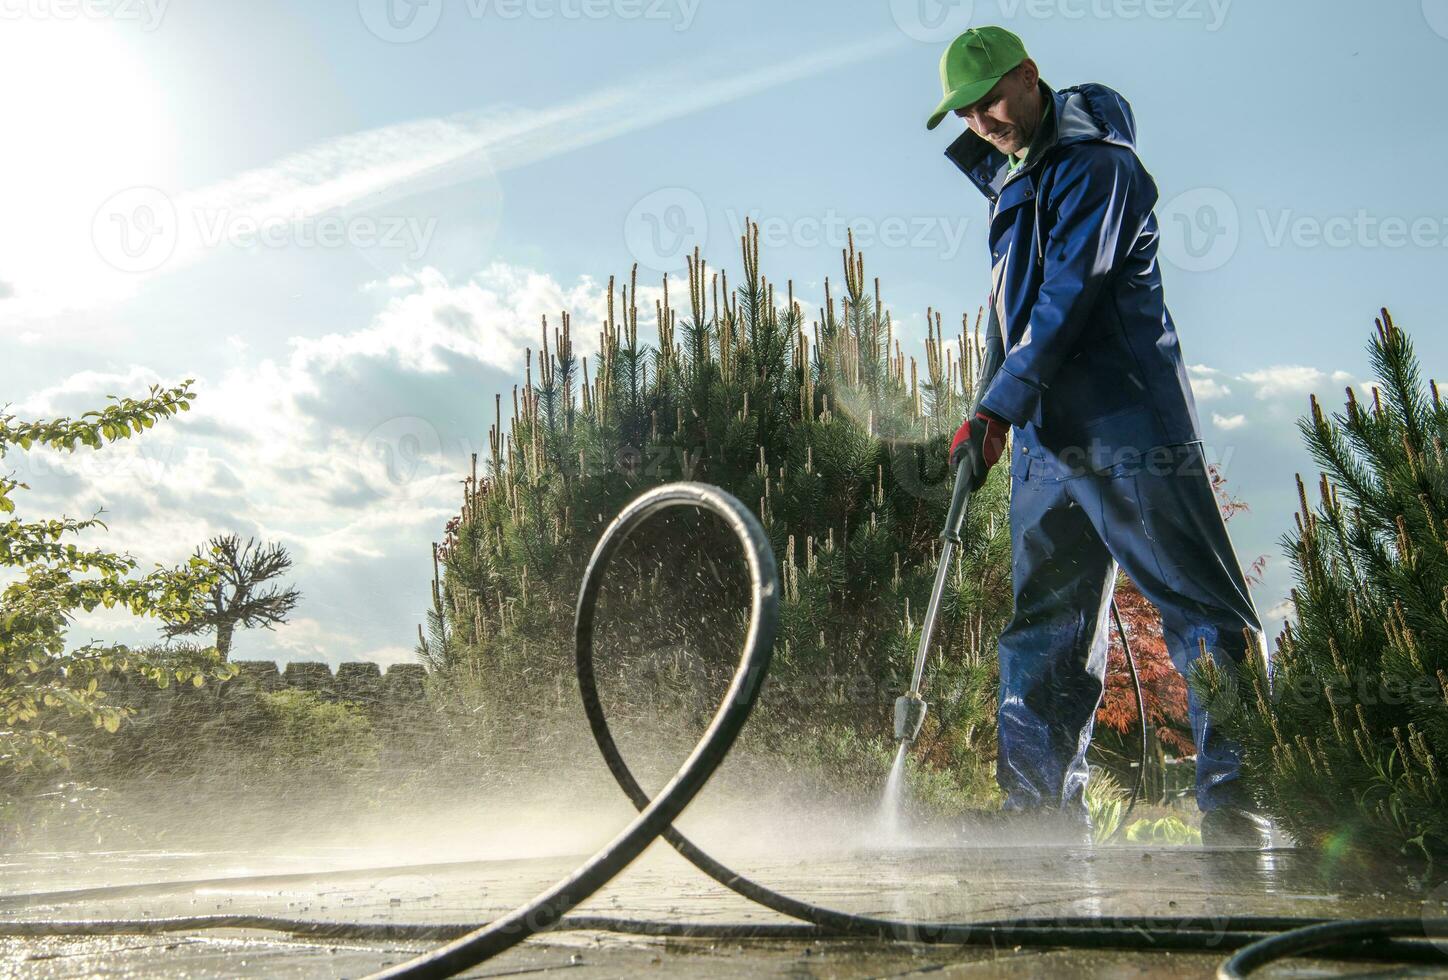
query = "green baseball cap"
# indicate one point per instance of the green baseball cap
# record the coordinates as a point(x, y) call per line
point(972, 65)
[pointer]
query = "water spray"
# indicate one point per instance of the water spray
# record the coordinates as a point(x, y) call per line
point(911, 707)
point(1257, 939)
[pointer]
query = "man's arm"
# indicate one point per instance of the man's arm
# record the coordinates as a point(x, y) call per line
point(1101, 204)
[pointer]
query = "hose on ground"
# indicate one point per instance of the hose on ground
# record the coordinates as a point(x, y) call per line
point(465, 952)
point(1236, 925)
point(655, 816)
point(1141, 719)
point(655, 819)
point(1314, 938)
point(1143, 933)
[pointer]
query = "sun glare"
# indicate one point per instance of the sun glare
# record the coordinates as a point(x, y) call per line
point(83, 120)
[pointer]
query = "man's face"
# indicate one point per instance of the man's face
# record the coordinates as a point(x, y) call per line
point(1007, 115)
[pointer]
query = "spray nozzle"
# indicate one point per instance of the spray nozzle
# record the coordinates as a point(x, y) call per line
point(909, 716)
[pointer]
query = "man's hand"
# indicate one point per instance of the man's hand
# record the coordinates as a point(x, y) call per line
point(979, 442)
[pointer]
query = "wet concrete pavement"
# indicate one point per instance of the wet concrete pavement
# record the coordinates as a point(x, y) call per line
point(924, 883)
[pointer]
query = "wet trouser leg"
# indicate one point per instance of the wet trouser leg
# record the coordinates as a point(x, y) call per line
point(1159, 519)
point(1053, 650)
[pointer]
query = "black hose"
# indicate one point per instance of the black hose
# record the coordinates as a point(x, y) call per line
point(1140, 716)
point(1146, 933)
point(1167, 934)
point(844, 922)
point(655, 816)
point(1250, 926)
point(1311, 938)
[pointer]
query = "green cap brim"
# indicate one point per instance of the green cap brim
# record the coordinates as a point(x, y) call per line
point(961, 98)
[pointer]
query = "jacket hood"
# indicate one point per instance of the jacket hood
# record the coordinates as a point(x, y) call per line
point(1079, 114)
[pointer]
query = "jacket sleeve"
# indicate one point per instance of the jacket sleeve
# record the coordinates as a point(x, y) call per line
point(1099, 204)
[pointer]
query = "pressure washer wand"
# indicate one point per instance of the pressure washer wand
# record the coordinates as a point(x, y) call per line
point(910, 707)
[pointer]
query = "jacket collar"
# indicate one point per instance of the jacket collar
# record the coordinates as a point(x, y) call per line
point(1073, 119)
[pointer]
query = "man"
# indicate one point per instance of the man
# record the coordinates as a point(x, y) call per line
point(1109, 465)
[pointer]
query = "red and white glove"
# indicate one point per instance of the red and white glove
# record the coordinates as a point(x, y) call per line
point(979, 441)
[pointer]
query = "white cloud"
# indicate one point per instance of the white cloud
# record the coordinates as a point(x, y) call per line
point(490, 318)
point(1205, 383)
point(1229, 421)
point(305, 638)
point(1275, 381)
point(1285, 379)
point(359, 438)
point(1207, 389)
point(60, 398)
point(348, 452)
point(388, 655)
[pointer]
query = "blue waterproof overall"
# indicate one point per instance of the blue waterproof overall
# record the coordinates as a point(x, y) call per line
point(1107, 466)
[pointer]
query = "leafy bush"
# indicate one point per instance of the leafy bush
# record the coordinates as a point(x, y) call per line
point(213, 763)
point(46, 688)
point(1106, 801)
point(300, 731)
point(1163, 830)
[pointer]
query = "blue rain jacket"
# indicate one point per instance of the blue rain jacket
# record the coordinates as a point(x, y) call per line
point(1108, 470)
point(1093, 374)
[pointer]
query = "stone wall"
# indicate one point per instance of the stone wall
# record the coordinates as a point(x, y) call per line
point(356, 680)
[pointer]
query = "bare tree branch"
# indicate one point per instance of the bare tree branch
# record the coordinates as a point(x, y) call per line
point(244, 594)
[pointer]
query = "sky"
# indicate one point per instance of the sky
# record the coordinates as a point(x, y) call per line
point(345, 222)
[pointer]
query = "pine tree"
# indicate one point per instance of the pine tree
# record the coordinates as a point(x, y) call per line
point(1346, 738)
point(830, 433)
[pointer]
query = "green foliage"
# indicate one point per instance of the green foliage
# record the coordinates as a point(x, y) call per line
point(42, 682)
point(1106, 802)
point(221, 761)
point(1164, 830)
point(1345, 742)
point(301, 730)
point(835, 438)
